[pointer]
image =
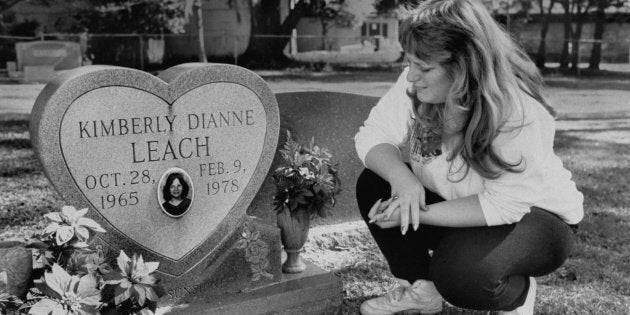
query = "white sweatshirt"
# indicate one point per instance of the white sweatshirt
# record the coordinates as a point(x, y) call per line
point(544, 183)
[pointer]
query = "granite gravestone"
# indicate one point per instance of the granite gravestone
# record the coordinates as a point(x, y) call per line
point(60, 55)
point(111, 139)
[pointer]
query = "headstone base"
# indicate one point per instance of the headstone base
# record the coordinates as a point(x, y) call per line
point(311, 292)
point(38, 74)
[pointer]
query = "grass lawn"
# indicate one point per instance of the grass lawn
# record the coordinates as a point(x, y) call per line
point(595, 280)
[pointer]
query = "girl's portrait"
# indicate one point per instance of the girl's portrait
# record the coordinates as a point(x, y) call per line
point(175, 192)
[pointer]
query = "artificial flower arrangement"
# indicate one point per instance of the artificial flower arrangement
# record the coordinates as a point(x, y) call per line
point(69, 277)
point(306, 178)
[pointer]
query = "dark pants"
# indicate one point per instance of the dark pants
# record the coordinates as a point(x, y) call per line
point(485, 268)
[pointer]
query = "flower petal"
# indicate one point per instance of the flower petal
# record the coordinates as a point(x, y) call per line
point(82, 233)
point(151, 266)
point(80, 213)
point(68, 211)
point(57, 281)
point(121, 295)
point(151, 294)
point(45, 307)
point(64, 234)
point(53, 217)
point(114, 275)
point(123, 263)
point(90, 224)
point(50, 229)
point(140, 294)
point(87, 284)
point(148, 279)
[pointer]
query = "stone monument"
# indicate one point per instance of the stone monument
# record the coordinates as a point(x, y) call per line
point(125, 143)
point(60, 55)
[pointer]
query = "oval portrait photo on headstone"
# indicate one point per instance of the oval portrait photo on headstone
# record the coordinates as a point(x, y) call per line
point(175, 192)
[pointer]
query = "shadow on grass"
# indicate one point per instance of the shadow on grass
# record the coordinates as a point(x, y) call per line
point(15, 144)
point(14, 123)
point(18, 162)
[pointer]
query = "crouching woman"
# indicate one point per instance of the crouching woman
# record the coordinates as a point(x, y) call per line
point(483, 189)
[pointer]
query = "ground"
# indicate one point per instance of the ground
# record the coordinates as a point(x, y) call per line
point(593, 140)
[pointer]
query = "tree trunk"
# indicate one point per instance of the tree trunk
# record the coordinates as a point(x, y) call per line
point(598, 35)
point(203, 57)
point(564, 55)
point(541, 55)
point(575, 51)
point(267, 22)
point(324, 32)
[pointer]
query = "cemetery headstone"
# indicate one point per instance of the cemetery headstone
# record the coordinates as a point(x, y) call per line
point(115, 139)
point(60, 55)
point(38, 74)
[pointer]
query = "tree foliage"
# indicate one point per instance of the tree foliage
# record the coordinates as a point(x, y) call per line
point(133, 16)
point(341, 13)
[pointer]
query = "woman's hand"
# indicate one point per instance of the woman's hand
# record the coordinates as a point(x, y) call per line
point(408, 198)
point(376, 211)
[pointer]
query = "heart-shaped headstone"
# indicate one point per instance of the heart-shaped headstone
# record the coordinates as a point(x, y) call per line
point(109, 138)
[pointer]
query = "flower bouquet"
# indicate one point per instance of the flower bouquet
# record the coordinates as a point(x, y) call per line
point(306, 185)
point(69, 277)
point(306, 179)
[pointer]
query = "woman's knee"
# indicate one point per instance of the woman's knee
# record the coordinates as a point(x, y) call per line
point(370, 187)
point(470, 285)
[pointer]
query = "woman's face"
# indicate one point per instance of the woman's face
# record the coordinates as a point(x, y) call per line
point(430, 80)
point(176, 189)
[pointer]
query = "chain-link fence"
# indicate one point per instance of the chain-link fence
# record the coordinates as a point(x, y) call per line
point(157, 51)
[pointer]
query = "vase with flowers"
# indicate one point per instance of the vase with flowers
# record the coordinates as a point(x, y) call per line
point(306, 185)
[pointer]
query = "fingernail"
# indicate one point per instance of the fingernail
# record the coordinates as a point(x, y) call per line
point(372, 221)
point(416, 226)
point(403, 230)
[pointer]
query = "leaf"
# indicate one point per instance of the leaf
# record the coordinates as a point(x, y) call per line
point(255, 235)
point(121, 295)
point(241, 244)
point(57, 281)
point(151, 266)
point(45, 307)
point(78, 214)
point(91, 224)
point(114, 277)
point(54, 217)
point(69, 211)
point(87, 290)
point(123, 263)
point(82, 233)
point(64, 234)
point(151, 294)
point(140, 294)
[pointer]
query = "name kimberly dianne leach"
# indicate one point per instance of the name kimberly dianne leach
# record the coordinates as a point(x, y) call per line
point(170, 149)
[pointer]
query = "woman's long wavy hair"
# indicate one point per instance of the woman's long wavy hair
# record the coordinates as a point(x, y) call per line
point(488, 69)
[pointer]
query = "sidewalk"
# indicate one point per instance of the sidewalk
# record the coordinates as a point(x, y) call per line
point(582, 103)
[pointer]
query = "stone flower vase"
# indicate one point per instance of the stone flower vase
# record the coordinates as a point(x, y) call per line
point(293, 233)
point(15, 267)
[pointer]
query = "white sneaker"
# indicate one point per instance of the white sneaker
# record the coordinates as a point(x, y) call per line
point(528, 307)
point(421, 297)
